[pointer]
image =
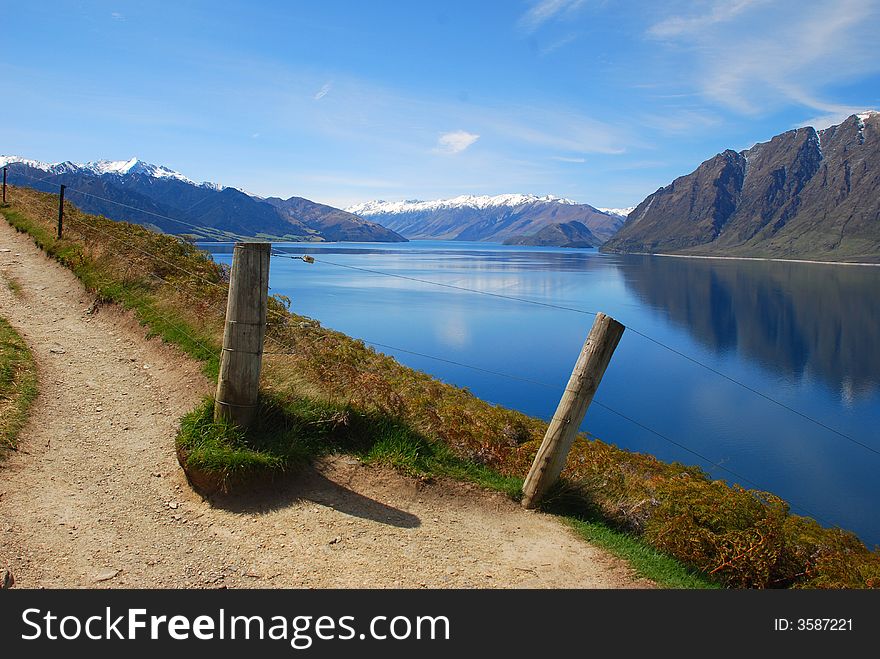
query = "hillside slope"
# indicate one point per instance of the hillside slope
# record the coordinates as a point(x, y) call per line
point(804, 194)
point(566, 234)
point(332, 223)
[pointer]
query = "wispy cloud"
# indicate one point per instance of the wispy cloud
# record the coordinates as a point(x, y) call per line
point(455, 141)
point(349, 180)
point(556, 45)
point(568, 159)
point(560, 130)
point(720, 12)
point(680, 121)
point(325, 89)
point(546, 10)
point(116, 16)
point(753, 56)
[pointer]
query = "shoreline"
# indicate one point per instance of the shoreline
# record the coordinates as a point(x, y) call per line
point(750, 258)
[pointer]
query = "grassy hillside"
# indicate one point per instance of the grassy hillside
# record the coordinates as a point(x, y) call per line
point(326, 391)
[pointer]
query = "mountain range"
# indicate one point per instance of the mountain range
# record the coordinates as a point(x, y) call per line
point(488, 218)
point(158, 197)
point(805, 194)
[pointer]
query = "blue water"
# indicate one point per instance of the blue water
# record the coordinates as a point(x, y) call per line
point(807, 335)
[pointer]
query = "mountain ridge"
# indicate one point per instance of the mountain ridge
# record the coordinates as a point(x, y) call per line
point(803, 194)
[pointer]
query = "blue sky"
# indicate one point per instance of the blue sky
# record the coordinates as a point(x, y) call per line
point(342, 102)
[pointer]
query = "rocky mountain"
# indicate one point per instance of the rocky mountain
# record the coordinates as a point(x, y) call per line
point(805, 194)
point(167, 201)
point(485, 218)
point(566, 234)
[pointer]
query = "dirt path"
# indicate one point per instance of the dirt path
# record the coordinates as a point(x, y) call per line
point(95, 497)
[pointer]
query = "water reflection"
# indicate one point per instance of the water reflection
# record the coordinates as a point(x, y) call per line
point(793, 318)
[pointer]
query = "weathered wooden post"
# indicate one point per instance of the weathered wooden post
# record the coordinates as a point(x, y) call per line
point(241, 361)
point(61, 212)
point(4, 185)
point(578, 394)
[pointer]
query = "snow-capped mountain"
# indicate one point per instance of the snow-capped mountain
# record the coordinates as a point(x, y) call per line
point(486, 218)
point(480, 202)
point(159, 197)
point(106, 167)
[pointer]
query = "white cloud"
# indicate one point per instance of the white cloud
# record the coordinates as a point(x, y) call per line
point(116, 16)
point(455, 141)
point(325, 89)
point(546, 10)
point(568, 159)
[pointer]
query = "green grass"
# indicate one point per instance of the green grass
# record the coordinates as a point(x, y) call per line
point(647, 562)
point(284, 436)
point(407, 451)
point(18, 384)
point(291, 432)
point(12, 284)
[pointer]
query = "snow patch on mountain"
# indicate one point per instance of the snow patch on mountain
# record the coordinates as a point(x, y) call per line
point(620, 212)
point(861, 118)
point(463, 201)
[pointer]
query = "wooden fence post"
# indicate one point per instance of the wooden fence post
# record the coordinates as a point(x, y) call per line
point(578, 394)
point(4, 185)
point(241, 361)
point(61, 212)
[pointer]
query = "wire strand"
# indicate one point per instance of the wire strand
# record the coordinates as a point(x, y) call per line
point(657, 342)
point(453, 286)
point(151, 255)
point(757, 392)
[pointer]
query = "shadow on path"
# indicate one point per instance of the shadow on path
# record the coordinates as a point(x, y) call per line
point(309, 484)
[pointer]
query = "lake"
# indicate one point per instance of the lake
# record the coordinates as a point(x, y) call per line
point(806, 335)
